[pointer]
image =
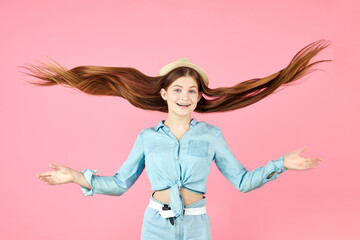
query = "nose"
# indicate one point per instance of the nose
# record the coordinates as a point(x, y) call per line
point(184, 95)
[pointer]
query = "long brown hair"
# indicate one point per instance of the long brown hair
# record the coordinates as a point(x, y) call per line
point(143, 91)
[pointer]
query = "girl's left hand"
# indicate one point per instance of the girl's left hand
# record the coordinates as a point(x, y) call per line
point(294, 161)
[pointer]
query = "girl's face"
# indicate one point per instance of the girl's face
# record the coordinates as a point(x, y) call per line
point(182, 96)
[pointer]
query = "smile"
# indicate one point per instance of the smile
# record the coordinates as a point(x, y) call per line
point(183, 106)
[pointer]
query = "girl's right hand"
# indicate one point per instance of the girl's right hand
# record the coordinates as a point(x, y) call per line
point(60, 175)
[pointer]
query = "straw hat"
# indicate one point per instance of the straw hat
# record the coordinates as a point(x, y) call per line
point(183, 62)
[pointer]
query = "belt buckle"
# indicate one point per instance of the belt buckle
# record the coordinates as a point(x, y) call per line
point(166, 207)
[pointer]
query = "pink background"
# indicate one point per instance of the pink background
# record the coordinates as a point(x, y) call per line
point(233, 41)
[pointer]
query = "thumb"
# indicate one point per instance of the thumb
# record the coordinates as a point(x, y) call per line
point(52, 166)
point(301, 150)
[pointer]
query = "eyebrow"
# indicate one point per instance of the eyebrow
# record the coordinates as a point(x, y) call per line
point(181, 86)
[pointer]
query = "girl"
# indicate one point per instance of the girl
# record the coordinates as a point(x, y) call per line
point(178, 151)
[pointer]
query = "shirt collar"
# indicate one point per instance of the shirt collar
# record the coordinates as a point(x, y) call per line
point(161, 124)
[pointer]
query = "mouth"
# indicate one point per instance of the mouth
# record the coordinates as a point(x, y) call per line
point(183, 105)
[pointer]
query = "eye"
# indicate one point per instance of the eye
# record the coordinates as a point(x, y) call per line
point(192, 91)
point(177, 90)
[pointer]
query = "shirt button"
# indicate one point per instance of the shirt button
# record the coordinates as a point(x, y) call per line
point(176, 158)
point(177, 143)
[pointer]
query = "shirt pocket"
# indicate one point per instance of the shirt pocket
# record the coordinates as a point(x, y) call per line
point(198, 148)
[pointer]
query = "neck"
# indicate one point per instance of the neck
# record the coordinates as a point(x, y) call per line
point(178, 122)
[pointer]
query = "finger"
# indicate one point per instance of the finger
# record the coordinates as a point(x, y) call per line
point(311, 163)
point(53, 166)
point(38, 175)
point(49, 180)
point(315, 160)
point(308, 163)
point(45, 178)
point(44, 174)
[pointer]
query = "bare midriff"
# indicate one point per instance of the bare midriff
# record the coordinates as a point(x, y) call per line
point(188, 196)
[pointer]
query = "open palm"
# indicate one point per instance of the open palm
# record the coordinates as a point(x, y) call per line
point(294, 161)
point(60, 175)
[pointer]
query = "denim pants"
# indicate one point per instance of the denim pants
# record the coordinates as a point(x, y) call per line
point(194, 227)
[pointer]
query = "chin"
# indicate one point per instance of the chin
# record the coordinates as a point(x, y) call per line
point(184, 114)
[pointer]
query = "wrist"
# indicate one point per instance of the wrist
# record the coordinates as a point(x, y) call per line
point(75, 176)
point(285, 162)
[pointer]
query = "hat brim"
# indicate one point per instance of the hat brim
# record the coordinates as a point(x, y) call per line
point(171, 66)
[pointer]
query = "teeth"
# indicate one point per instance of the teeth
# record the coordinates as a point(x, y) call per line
point(184, 105)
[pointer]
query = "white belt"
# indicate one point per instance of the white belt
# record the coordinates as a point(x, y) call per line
point(169, 213)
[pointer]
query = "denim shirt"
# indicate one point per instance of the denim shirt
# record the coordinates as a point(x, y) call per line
point(186, 163)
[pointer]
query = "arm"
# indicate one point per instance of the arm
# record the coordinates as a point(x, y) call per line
point(237, 174)
point(124, 178)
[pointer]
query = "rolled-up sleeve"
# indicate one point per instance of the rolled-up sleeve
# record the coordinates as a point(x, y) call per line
point(124, 178)
point(237, 174)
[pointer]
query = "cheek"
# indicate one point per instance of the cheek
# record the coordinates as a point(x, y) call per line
point(172, 97)
point(194, 98)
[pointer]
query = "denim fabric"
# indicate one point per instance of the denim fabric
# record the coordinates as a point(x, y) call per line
point(186, 163)
point(194, 227)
